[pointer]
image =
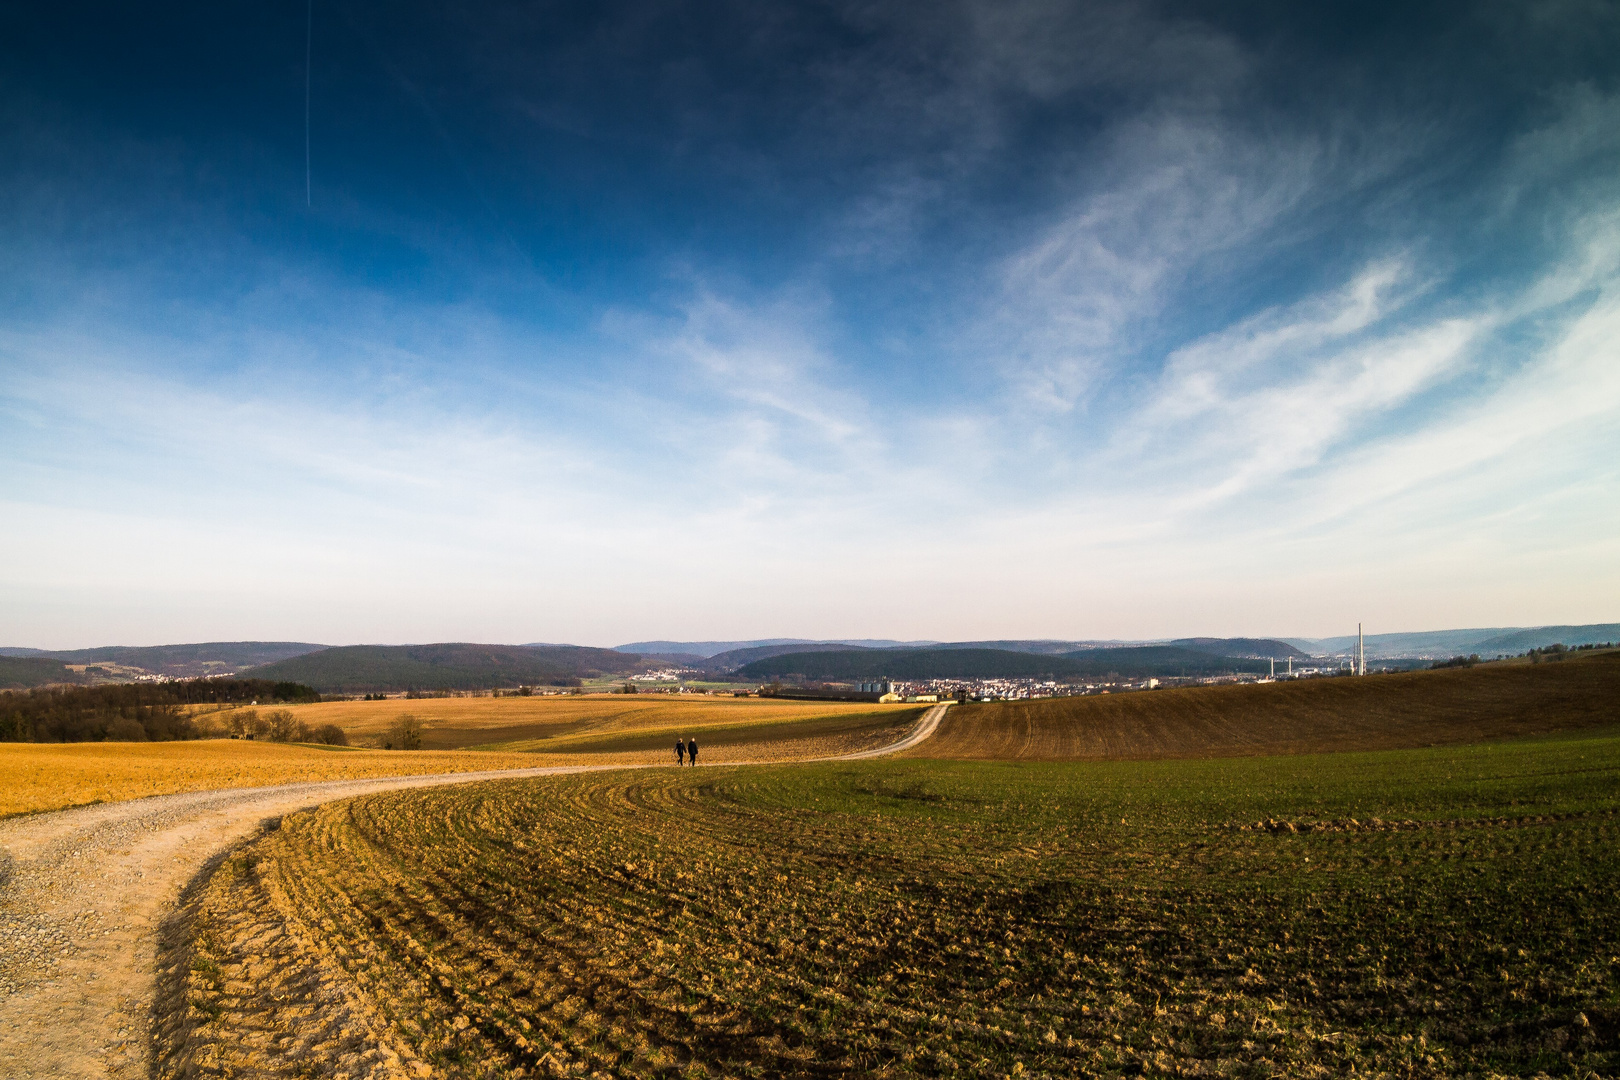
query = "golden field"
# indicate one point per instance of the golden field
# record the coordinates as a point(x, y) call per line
point(572, 723)
point(463, 735)
point(53, 776)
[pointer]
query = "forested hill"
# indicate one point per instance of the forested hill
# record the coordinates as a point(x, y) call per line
point(739, 658)
point(351, 669)
point(21, 672)
point(178, 661)
point(856, 664)
point(1257, 648)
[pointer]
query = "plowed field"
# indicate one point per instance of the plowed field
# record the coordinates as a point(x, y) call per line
point(1424, 708)
point(1418, 913)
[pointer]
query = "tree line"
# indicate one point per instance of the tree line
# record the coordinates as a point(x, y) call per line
point(135, 712)
point(280, 725)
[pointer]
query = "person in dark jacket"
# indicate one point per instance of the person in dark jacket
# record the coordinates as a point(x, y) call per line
point(691, 750)
point(680, 752)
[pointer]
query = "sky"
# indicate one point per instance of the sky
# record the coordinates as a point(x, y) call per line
point(601, 322)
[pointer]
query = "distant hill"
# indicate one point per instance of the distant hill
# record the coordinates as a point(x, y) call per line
point(1540, 637)
point(1427, 643)
point(739, 658)
point(180, 661)
point(451, 666)
point(1139, 661)
point(1131, 662)
point(722, 656)
point(26, 672)
point(714, 648)
point(1259, 648)
point(1487, 641)
point(676, 659)
point(1039, 646)
point(702, 648)
point(904, 664)
point(736, 658)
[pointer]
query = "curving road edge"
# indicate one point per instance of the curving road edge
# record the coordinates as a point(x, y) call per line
point(83, 894)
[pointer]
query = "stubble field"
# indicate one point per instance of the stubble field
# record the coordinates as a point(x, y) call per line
point(1432, 912)
point(37, 777)
point(566, 723)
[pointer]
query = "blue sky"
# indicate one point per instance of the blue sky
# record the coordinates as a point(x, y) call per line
point(625, 320)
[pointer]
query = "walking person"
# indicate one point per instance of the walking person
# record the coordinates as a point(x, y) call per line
point(680, 753)
point(691, 750)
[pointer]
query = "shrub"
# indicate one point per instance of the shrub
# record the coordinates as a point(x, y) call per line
point(328, 735)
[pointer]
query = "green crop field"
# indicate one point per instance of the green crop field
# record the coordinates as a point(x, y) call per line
point(1424, 912)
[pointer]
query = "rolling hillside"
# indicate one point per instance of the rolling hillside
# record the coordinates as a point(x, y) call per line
point(1138, 662)
point(737, 659)
point(1412, 709)
point(1261, 648)
point(24, 672)
point(352, 669)
point(180, 661)
point(1523, 640)
point(706, 649)
point(1487, 641)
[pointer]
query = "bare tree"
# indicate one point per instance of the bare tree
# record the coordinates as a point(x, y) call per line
point(248, 724)
point(405, 733)
point(281, 726)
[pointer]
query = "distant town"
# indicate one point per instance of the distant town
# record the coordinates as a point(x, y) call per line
point(687, 680)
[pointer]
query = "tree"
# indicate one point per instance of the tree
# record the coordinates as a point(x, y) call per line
point(248, 724)
point(405, 733)
point(280, 726)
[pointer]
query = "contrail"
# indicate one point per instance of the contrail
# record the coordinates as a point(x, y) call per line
point(309, 29)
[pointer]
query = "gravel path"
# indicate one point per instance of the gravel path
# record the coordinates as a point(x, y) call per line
point(83, 894)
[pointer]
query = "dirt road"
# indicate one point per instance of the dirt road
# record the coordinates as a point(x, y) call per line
point(83, 894)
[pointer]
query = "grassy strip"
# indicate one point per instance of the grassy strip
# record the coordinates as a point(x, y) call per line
point(1429, 912)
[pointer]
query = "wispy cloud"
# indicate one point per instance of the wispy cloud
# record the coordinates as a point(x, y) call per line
point(1045, 318)
point(1080, 301)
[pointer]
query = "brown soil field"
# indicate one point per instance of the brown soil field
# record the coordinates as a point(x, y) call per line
point(1378, 712)
point(573, 722)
